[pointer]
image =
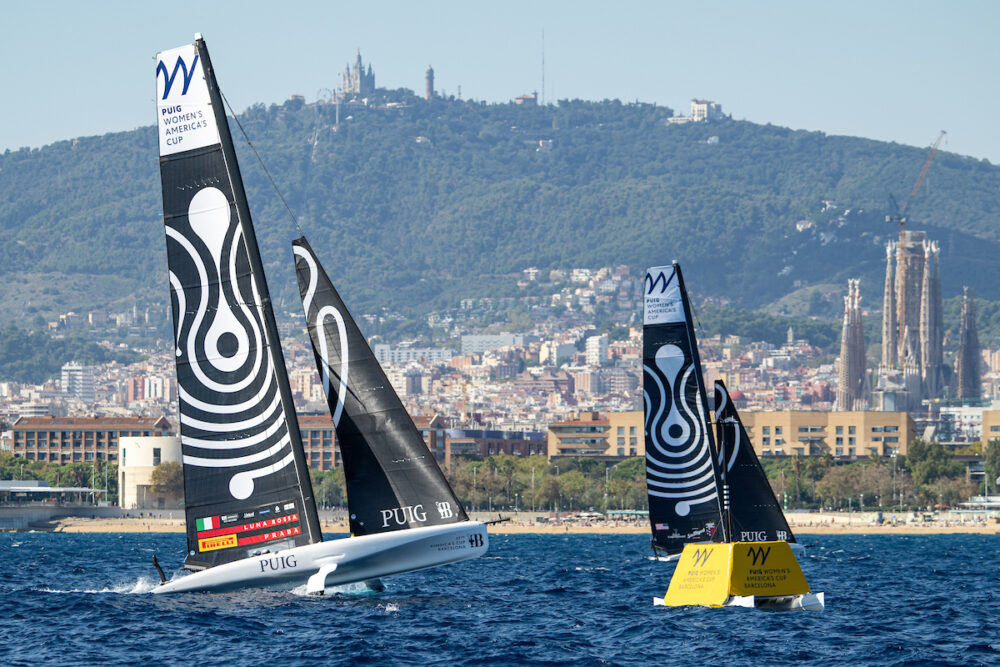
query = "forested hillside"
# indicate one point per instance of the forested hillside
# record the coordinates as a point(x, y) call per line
point(416, 207)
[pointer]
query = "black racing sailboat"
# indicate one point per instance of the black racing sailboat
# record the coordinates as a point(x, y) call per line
point(701, 489)
point(754, 513)
point(393, 481)
point(246, 484)
point(707, 502)
point(251, 516)
point(682, 478)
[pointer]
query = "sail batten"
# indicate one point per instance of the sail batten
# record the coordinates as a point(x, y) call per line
point(682, 479)
point(393, 481)
point(244, 468)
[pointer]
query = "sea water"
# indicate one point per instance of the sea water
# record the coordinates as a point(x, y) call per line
point(540, 599)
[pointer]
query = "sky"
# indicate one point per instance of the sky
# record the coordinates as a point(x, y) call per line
point(892, 70)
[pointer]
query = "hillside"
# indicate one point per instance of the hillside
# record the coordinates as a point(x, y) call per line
point(416, 207)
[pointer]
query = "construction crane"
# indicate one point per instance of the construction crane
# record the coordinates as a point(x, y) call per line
point(898, 216)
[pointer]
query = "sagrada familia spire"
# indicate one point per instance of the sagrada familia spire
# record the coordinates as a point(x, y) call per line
point(967, 384)
point(912, 327)
point(852, 384)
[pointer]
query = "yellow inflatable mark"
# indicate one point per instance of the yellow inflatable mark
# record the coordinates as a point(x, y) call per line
point(709, 574)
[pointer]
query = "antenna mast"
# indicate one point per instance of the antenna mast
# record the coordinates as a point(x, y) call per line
point(543, 66)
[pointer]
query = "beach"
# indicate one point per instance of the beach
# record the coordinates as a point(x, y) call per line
point(805, 523)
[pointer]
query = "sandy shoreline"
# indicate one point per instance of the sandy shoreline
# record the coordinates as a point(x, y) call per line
point(802, 524)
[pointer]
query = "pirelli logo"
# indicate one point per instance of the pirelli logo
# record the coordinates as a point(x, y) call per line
point(220, 542)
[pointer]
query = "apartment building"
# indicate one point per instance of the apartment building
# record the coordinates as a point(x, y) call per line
point(840, 434)
point(616, 436)
point(75, 439)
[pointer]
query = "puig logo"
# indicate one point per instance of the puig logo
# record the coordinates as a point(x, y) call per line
point(760, 553)
point(169, 78)
point(701, 557)
point(653, 282)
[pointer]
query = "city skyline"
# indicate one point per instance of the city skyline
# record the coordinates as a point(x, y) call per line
point(892, 71)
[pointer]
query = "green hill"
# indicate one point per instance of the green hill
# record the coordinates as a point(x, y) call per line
point(416, 207)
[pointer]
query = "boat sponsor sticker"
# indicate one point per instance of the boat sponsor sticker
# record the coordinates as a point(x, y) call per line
point(183, 108)
point(662, 296)
point(271, 535)
point(219, 542)
point(208, 523)
point(250, 527)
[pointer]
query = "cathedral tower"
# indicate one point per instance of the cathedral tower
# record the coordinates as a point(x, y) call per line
point(889, 358)
point(967, 382)
point(851, 378)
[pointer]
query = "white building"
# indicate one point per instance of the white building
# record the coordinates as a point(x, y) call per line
point(597, 350)
point(137, 457)
point(78, 381)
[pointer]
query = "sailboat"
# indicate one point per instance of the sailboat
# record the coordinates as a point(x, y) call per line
point(704, 497)
point(250, 511)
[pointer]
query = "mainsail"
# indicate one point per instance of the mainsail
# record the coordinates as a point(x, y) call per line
point(393, 481)
point(754, 514)
point(681, 476)
point(246, 485)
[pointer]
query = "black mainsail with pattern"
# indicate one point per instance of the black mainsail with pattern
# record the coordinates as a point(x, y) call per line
point(682, 480)
point(393, 481)
point(754, 513)
point(246, 485)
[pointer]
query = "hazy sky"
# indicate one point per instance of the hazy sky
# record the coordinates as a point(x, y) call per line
point(899, 70)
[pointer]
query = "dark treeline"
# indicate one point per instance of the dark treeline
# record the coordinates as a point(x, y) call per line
point(32, 356)
point(415, 207)
point(925, 477)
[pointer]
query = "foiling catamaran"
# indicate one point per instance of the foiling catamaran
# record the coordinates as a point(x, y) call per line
point(251, 515)
point(706, 494)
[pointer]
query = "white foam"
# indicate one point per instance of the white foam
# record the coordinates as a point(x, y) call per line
point(141, 585)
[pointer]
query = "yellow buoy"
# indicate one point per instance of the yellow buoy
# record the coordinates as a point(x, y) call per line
point(741, 573)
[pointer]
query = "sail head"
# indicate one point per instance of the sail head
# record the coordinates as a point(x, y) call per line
point(246, 485)
point(393, 481)
point(681, 477)
point(754, 513)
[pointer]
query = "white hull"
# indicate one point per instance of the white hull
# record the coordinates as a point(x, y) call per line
point(344, 561)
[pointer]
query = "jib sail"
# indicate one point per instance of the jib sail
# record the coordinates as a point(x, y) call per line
point(681, 477)
point(246, 485)
point(393, 481)
point(754, 512)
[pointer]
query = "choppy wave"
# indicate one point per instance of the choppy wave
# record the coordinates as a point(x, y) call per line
point(78, 599)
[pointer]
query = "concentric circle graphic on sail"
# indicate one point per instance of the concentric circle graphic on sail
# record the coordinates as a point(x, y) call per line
point(678, 459)
point(228, 391)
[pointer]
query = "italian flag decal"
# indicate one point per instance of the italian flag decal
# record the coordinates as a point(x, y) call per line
point(208, 523)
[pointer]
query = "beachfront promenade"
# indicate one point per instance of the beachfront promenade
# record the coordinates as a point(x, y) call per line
point(803, 523)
